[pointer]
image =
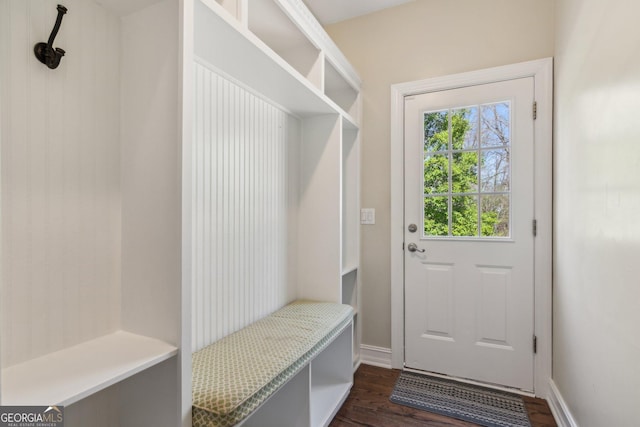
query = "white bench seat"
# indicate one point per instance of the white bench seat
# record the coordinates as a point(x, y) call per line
point(235, 375)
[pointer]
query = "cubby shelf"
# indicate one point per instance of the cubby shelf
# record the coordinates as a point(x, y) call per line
point(331, 380)
point(69, 375)
point(283, 66)
point(349, 269)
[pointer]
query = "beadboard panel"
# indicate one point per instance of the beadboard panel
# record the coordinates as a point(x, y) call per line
point(60, 179)
point(241, 202)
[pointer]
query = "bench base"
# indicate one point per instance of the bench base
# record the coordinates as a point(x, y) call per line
point(315, 394)
point(291, 368)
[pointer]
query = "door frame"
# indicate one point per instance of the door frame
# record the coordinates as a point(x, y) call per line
point(542, 72)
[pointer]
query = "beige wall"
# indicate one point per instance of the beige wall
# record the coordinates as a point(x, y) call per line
point(422, 39)
point(596, 363)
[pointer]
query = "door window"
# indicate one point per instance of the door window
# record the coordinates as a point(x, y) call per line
point(467, 171)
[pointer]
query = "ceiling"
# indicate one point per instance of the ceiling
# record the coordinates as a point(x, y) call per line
point(332, 11)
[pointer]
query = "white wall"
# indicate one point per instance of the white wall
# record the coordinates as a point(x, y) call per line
point(422, 39)
point(597, 209)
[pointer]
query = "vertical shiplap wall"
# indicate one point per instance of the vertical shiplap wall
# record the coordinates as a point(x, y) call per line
point(60, 179)
point(241, 196)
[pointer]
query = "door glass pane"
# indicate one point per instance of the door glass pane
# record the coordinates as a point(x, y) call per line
point(464, 172)
point(464, 128)
point(495, 170)
point(464, 216)
point(495, 215)
point(436, 216)
point(436, 131)
point(436, 174)
point(494, 124)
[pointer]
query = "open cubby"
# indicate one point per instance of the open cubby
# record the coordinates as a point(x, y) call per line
point(339, 90)
point(315, 393)
point(331, 378)
point(276, 410)
point(273, 27)
point(96, 304)
point(244, 58)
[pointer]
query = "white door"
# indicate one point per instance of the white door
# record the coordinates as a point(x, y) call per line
point(469, 244)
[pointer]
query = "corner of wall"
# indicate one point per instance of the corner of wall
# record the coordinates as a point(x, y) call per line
point(375, 356)
point(559, 407)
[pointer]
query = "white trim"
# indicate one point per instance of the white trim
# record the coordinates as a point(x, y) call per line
point(375, 356)
point(186, 89)
point(559, 407)
point(542, 72)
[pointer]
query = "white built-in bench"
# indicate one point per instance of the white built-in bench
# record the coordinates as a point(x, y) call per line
point(291, 369)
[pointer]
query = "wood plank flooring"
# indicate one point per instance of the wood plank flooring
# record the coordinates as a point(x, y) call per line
point(369, 405)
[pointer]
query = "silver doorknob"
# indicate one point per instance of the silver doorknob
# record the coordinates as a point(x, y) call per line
point(414, 248)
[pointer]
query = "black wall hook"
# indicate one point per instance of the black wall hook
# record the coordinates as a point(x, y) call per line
point(44, 51)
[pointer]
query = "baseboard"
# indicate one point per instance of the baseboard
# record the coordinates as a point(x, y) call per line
point(559, 407)
point(375, 356)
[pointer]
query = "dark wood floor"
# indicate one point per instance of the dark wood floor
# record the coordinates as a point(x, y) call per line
point(369, 405)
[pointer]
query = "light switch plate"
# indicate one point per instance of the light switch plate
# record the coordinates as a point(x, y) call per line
point(367, 216)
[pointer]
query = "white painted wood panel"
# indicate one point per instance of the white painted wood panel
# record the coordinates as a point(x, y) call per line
point(493, 301)
point(60, 180)
point(151, 157)
point(101, 409)
point(152, 177)
point(240, 209)
point(439, 287)
point(350, 199)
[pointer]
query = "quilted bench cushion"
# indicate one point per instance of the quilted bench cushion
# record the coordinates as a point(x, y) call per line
point(235, 375)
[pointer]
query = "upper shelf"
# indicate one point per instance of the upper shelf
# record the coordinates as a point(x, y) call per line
point(69, 375)
point(278, 51)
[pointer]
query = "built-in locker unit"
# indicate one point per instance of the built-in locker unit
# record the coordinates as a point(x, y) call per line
point(277, 106)
point(92, 291)
point(189, 167)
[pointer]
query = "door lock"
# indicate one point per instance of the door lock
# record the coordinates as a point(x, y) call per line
point(413, 228)
point(412, 247)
